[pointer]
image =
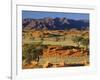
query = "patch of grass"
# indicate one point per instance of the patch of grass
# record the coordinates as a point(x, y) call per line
point(68, 60)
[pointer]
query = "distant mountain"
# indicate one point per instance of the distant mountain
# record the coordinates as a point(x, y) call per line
point(54, 23)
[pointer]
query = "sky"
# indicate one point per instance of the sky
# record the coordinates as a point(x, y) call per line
point(41, 14)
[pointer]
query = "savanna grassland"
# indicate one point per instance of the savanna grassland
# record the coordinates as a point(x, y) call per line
point(70, 48)
point(44, 47)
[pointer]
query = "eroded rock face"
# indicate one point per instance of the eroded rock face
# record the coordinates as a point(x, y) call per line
point(59, 51)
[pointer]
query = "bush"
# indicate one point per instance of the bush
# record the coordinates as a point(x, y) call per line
point(85, 42)
point(31, 52)
point(77, 40)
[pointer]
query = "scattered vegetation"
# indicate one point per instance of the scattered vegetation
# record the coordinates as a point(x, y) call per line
point(54, 42)
point(31, 52)
point(55, 50)
point(80, 40)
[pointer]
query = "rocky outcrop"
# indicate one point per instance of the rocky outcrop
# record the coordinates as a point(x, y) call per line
point(60, 51)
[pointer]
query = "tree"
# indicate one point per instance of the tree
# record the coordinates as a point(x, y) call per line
point(28, 54)
point(64, 36)
point(42, 39)
point(36, 53)
point(85, 42)
point(77, 40)
point(32, 52)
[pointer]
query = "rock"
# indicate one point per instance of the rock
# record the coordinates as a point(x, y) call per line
point(34, 62)
point(61, 64)
point(47, 64)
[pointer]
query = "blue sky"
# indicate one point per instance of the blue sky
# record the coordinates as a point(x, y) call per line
point(38, 15)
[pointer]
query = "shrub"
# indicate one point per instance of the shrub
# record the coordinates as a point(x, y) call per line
point(31, 52)
point(77, 40)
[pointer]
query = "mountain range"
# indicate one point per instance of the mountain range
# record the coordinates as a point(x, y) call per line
point(54, 23)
